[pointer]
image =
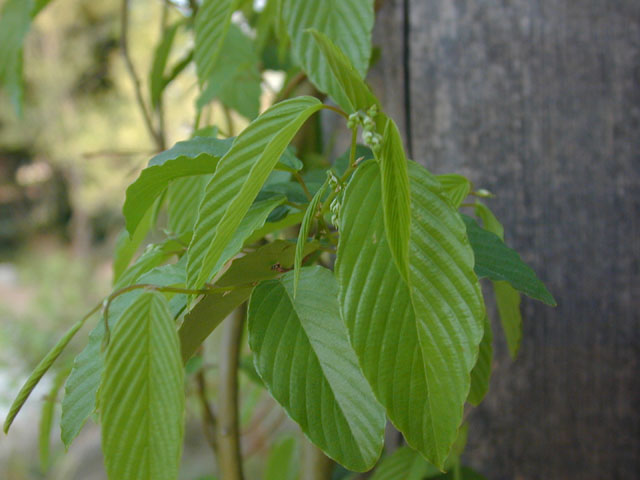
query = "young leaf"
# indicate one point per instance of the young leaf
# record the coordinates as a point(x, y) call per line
point(396, 197)
point(496, 261)
point(198, 156)
point(418, 341)
point(160, 56)
point(38, 372)
point(456, 187)
point(347, 22)
point(347, 88)
point(405, 463)
point(489, 220)
point(305, 226)
point(481, 372)
point(316, 378)
point(243, 273)
point(141, 395)
point(238, 179)
point(211, 27)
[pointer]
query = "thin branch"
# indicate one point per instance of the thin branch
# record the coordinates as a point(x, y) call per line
point(124, 46)
point(300, 180)
point(209, 419)
point(291, 86)
point(228, 432)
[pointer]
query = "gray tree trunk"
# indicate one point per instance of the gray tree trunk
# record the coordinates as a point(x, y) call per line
point(539, 101)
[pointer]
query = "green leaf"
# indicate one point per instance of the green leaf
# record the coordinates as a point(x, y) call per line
point(238, 179)
point(211, 27)
point(184, 196)
point(406, 464)
point(396, 197)
point(302, 353)
point(348, 23)
point(46, 420)
point(456, 187)
point(464, 473)
point(305, 226)
point(481, 373)
point(242, 275)
point(496, 261)
point(127, 246)
point(198, 156)
point(508, 302)
point(38, 372)
point(346, 85)
point(159, 64)
point(282, 463)
point(141, 395)
point(489, 220)
point(416, 342)
point(15, 19)
point(235, 80)
point(79, 400)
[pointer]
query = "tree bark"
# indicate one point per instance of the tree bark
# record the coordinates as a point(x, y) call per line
point(539, 102)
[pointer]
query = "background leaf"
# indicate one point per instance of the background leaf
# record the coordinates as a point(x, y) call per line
point(159, 63)
point(238, 179)
point(405, 463)
point(211, 26)
point(282, 463)
point(302, 353)
point(481, 373)
point(416, 342)
point(141, 395)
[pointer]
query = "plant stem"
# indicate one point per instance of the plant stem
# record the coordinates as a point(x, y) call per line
point(209, 421)
point(337, 110)
point(124, 46)
point(291, 86)
point(228, 431)
point(300, 180)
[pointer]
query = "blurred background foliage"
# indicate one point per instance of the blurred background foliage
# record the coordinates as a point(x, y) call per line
point(65, 164)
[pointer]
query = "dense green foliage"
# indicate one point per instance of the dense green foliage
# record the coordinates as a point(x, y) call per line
point(398, 330)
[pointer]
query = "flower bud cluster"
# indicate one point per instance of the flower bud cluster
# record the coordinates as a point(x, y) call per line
point(367, 120)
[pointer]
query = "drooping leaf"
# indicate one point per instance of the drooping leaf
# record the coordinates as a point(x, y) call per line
point(396, 197)
point(282, 463)
point(347, 86)
point(305, 226)
point(302, 353)
point(141, 395)
point(508, 303)
point(406, 464)
point(263, 264)
point(418, 341)
point(481, 373)
point(235, 80)
point(507, 297)
point(79, 400)
point(38, 372)
point(347, 22)
point(496, 261)
point(456, 187)
point(211, 27)
point(159, 64)
point(238, 179)
point(46, 420)
point(198, 156)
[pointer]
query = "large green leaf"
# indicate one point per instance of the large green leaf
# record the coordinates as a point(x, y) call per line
point(197, 156)
point(238, 179)
point(406, 464)
point(79, 400)
point(211, 27)
point(481, 373)
point(348, 23)
point(396, 197)
point(141, 395)
point(418, 341)
point(302, 353)
point(183, 198)
point(244, 273)
point(496, 261)
point(348, 88)
point(235, 80)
